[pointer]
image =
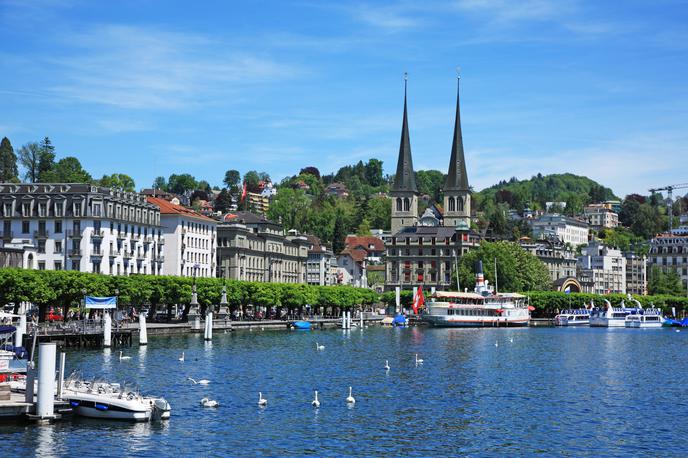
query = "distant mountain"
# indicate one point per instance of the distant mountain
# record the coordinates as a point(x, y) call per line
point(534, 192)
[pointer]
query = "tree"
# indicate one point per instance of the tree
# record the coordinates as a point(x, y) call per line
point(373, 172)
point(160, 183)
point(46, 159)
point(67, 170)
point(223, 202)
point(430, 182)
point(118, 180)
point(232, 179)
point(661, 282)
point(29, 157)
point(180, 184)
point(363, 228)
point(310, 171)
point(340, 232)
point(8, 162)
point(290, 207)
point(252, 180)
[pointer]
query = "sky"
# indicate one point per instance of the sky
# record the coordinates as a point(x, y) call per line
point(150, 88)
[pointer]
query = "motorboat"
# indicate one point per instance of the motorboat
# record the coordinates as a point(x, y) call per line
point(573, 317)
point(112, 401)
point(302, 325)
point(611, 317)
point(480, 308)
point(644, 318)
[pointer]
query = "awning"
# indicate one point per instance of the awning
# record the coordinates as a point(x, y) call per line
point(93, 302)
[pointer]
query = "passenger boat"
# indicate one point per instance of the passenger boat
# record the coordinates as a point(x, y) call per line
point(644, 318)
point(111, 401)
point(480, 308)
point(573, 317)
point(611, 317)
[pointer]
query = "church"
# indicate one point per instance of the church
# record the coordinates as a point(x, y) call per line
point(424, 250)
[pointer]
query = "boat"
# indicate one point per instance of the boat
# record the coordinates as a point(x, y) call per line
point(573, 317)
point(611, 317)
point(644, 318)
point(400, 320)
point(302, 325)
point(111, 401)
point(673, 323)
point(480, 308)
point(13, 362)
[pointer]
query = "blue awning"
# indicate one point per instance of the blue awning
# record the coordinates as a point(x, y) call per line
point(93, 302)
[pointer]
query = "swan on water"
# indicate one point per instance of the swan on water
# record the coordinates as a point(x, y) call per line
point(121, 357)
point(205, 402)
point(386, 365)
point(261, 400)
point(181, 358)
point(319, 347)
point(511, 339)
point(350, 399)
point(496, 344)
point(199, 382)
point(315, 402)
point(418, 360)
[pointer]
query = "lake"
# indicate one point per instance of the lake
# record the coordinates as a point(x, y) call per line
point(548, 391)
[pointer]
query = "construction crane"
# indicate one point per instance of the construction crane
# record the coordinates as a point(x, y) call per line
point(670, 189)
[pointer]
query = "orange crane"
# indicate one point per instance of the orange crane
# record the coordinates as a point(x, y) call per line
point(670, 189)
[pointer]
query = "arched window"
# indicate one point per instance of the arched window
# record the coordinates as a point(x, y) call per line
point(398, 204)
point(459, 203)
point(452, 206)
point(407, 204)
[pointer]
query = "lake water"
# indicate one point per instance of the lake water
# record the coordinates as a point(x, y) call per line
point(546, 391)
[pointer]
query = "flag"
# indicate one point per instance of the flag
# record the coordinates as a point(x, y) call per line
point(418, 300)
point(243, 192)
point(567, 290)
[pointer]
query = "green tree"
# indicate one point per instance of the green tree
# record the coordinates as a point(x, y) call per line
point(379, 213)
point(668, 282)
point(180, 184)
point(232, 179)
point(160, 183)
point(430, 182)
point(29, 158)
point(8, 162)
point(373, 172)
point(223, 201)
point(363, 228)
point(118, 180)
point(290, 208)
point(46, 159)
point(340, 231)
point(67, 170)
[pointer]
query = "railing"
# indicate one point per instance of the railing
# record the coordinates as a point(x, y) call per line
point(98, 234)
point(97, 252)
point(121, 235)
point(71, 233)
point(7, 235)
point(41, 234)
point(75, 252)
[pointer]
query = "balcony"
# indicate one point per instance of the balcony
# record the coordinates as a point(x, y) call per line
point(72, 234)
point(160, 258)
point(136, 236)
point(98, 234)
point(121, 235)
point(44, 234)
point(127, 254)
point(75, 253)
point(97, 252)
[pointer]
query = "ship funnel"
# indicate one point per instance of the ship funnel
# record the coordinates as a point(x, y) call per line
point(480, 286)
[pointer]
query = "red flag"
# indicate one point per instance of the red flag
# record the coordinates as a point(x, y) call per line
point(418, 300)
point(243, 192)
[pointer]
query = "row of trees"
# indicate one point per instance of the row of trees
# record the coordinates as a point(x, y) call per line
point(66, 289)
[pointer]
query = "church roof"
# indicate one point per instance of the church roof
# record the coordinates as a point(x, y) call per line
point(405, 179)
point(457, 178)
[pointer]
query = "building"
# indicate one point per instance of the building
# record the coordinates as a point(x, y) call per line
point(258, 203)
point(12, 257)
point(352, 267)
point(670, 252)
point(373, 247)
point(190, 240)
point(636, 273)
point(75, 226)
point(338, 190)
point(252, 248)
point(599, 216)
point(558, 257)
point(321, 265)
point(423, 251)
point(601, 269)
point(568, 230)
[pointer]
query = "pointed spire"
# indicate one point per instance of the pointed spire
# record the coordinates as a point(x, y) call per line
point(405, 180)
point(457, 178)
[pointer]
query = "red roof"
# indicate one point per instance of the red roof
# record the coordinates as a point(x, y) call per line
point(353, 241)
point(357, 254)
point(168, 208)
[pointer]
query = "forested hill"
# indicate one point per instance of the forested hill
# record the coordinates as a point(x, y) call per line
point(573, 189)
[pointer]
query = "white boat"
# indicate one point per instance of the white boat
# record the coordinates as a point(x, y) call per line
point(573, 317)
point(611, 317)
point(644, 318)
point(99, 399)
point(481, 308)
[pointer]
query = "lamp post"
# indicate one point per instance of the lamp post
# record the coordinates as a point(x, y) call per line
point(116, 300)
point(83, 310)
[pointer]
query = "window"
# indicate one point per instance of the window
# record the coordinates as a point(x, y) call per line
point(26, 209)
point(8, 209)
point(407, 204)
point(452, 206)
point(76, 227)
point(26, 226)
point(41, 246)
point(59, 209)
point(58, 227)
point(42, 209)
point(96, 209)
point(41, 265)
point(77, 209)
point(58, 247)
point(57, 266)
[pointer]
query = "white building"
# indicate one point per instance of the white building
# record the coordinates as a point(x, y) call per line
point(190, 240)
point(670, 252)
point(568, 230)
point(76, 226)
point(601, 269)
point(600, 216)
point(321, 265)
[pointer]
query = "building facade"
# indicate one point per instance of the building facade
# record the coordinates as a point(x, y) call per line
point(636, 273)
point(670, 252)
point(558, 257)
point(190, 240)
point(568, 230)
point(73, 226)
point(252, 248)
point(321, 265)
point(601, 269)
point(599, 216)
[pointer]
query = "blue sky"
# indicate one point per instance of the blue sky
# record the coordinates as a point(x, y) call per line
point(152, 88)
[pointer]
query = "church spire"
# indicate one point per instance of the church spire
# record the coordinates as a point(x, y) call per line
point(457, 178)
point(405, 180)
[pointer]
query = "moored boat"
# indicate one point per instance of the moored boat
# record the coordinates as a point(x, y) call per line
point(611, 317)
point(573, 317)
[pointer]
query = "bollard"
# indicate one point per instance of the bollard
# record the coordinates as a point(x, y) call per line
point(19, 333)
point(45, 408)
point(343, 320)
point(209, 326)
point(107, 330)
point(197, 322)
point(143, 332)
point(60, 377)
point(361, 318)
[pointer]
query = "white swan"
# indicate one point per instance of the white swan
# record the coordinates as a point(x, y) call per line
point(386, 365)
point(121, 357)
point(319, 347)
point(350, 399)
point(199, 382)
point(181, 358)
point(315, 402)
point(511, 340)
point(418, 360)
point(261, 400)
point(205, 402)
point(496, 344)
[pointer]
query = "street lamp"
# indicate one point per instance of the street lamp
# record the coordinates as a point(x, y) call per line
point(83, 310)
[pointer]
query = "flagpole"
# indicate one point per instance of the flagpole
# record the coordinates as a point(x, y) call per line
point(496, 283)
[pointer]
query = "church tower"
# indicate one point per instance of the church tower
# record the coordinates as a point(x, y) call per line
point(404, 193)
point(457, 198)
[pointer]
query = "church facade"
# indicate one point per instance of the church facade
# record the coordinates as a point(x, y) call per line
point(424, 250)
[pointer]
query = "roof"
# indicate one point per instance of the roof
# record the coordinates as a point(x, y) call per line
point(243, 217)
point(354, 241)
point(405, 179)
point(357, 254)
point(457, 178)
point(168, 208)
point(427, 231)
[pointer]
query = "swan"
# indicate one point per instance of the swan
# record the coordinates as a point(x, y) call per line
point(121, 357)
point(418, 360)
point(199, 382)
point(350, 399)
point(496, 344)
point(386, 365)
point(181, 358)
point(205, 402)
point(315, 402)
point(511, 339)
point(319, 347)
point(261, 400)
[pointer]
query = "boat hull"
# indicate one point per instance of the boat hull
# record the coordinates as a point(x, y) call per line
point(92, 412)
point(453, 322)
point(607, 323)
point(639, 325)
